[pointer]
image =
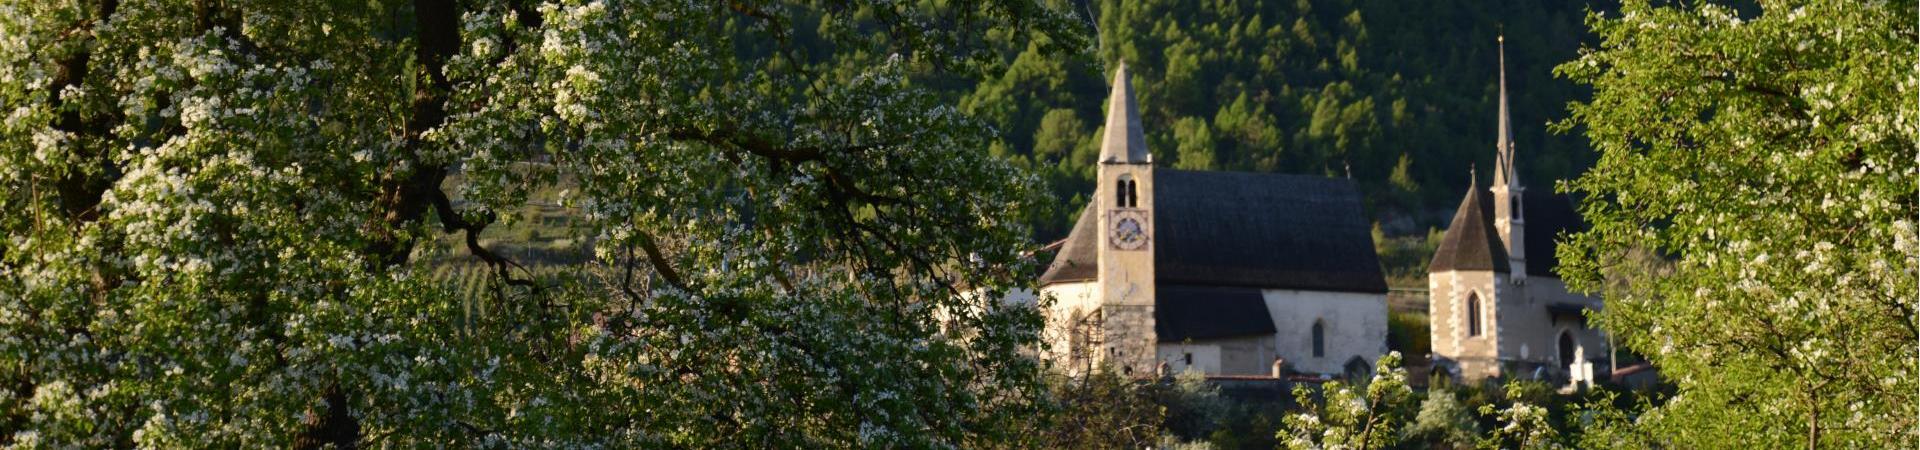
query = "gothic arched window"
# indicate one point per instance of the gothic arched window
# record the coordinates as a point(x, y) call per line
point(1473, 315)
point(1319, 338)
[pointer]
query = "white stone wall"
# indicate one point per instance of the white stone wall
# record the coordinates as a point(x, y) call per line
point(1533, 334)
point(1477, 356)
point(1206, 356)
point(1125, 337)
point(1356, 325)
point(1516, 326)
point(1067, 299)
point(1250, 355)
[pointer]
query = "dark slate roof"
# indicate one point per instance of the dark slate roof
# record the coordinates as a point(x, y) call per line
point(1077, 258)
point(1245, 229)
point(1547, 215)
point(1471, 242)
point(1567, 309)
point(1205, 312)
point(1262, 230)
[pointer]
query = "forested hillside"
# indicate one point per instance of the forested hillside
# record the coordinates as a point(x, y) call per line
point(1400, 95)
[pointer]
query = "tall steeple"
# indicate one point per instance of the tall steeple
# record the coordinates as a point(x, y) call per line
point(1503, 167)
point(1124, 142)
point(1508, 217)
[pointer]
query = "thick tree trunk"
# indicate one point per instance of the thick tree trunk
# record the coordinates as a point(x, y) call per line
point(405, 199)
point(334, 426)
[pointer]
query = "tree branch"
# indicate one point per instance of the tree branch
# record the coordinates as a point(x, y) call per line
point(660, 263)
point(452, 221)
point(1794, 103)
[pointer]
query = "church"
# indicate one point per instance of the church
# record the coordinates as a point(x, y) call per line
point(1495, 305)
point(1227, 273)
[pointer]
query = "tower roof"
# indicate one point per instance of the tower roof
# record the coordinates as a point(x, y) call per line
point(1471, 242)
point(1125, 141)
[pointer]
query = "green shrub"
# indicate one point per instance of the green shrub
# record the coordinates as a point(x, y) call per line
point(1407, 332)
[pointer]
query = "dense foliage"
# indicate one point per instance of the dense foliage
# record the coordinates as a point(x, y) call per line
point(1383, 413)
point(213, 211)
point(1105, 410)
point(1370, 415)
point(1764, 159)
point(1398, 95)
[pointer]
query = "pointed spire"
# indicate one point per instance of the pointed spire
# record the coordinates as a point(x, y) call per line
point(1503, 160)
point(1125, 141)
point(1472, 242)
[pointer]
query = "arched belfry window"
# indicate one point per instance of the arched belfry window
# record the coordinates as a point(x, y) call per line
point(1473, 314)
point(1133, 194)
point(1319, 338)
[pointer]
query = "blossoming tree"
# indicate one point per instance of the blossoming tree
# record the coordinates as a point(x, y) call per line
point(212, 212)
point(1766, 156)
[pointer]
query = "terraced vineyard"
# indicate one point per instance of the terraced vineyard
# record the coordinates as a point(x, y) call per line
point(540, 238)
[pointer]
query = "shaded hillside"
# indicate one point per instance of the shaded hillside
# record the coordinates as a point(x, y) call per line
point(1398, 94)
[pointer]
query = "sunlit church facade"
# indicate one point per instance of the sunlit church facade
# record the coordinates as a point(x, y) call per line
point(1227, 273)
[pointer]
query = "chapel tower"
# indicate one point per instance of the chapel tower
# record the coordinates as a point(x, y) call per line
point(1495, 310)
point(1467, 288)
point(1507, 190)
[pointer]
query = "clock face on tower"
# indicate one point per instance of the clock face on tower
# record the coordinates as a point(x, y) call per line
point(1128, 229)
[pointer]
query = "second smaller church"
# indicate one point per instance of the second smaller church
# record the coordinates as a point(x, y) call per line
point(1227, 273)
point(1497, 307)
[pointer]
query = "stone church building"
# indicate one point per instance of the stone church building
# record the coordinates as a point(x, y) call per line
point(1496, 307)
point(1224, 272)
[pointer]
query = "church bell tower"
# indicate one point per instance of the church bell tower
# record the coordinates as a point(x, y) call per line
point(1125, 205)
